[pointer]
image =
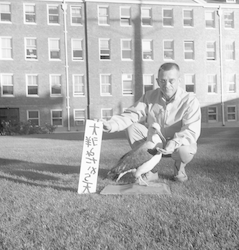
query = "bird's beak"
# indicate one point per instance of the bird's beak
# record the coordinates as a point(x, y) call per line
point(158, 131)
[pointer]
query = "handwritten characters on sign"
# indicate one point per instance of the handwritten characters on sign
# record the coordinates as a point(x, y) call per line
point(90, 157)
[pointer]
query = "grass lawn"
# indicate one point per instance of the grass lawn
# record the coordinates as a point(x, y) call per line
point(40, 207)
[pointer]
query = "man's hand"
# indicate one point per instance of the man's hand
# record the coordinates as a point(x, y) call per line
point(106, 126)
point(169, 148)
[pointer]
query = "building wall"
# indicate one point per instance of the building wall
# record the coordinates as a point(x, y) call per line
point(93, 106)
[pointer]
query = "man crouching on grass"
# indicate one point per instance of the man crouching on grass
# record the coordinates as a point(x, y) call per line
point(176, 111)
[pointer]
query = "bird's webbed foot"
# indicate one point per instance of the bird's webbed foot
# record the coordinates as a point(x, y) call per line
point(141, 181)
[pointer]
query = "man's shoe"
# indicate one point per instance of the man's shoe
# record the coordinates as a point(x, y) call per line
point(182, 177)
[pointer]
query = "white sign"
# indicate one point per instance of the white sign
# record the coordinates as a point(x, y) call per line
point(90, 157)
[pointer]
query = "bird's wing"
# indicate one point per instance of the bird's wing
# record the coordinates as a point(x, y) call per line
point(132, 160)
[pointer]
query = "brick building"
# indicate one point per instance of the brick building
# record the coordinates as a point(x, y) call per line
point(62, 62)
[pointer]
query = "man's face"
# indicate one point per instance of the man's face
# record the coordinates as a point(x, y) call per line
point(168, 82)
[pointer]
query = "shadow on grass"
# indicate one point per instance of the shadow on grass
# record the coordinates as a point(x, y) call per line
point(12, 166)
point(75, 136)
point(59, 188)
point(33, 173)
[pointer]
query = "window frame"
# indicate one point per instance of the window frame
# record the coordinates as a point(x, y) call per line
point(126, 49)
point(8, 13)
point(31, 58)
point(107, 16)
point(2, 85)
point(108, 49)
point(150, 17)
point(186, 18)
point(192, 83)
point(48, 14)
point(212, 20)
point(125, 17)
point(27, 85)
point(150, 52)
point(212, 84)
point(81, 85)
point(38, 117)
point(106, 85)
point(168, 50)
point(81, 120)
point(57, 51)
point(232, 21)
point(232, 113)
point(230, 51)
point(10, 49)
point(51, 85)
point(61, 117)
point(126, 92)
point(211, 50)
point(187, 52)
point(77, 49)
point(229, 83)
point(25, 14)
point(80, 18)
point(212, 114)
point(164, 18)
point(147, 85)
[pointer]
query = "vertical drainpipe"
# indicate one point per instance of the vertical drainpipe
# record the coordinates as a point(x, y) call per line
point(87, 60)
point(64, 8)
point(219, 12)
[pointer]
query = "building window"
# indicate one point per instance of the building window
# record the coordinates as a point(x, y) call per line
point(147, 49)
point(211, 50)
point(77, 49)
point(126, 49)
point(146, 16)
point(103, 15)
point(230, 50)
point(105, 85)
point(55, 81)
point(106, 114)
point(125, 16)
point(230, 1)
point(79, 117)
point(5, 48)
point(168, 17)
point(56, 118)
point(231, 113)
point(30, 13)
point(104, 49)
point(148, 82)
point(189, 50)
point(32, 85)
point(76, 15)
point(33, 117)
point(78, 85)
point(231, 83)
point(5, 12)
point(189, 80)
point(212, 83)
point(54, 48)
point(212, 114)
point(210, 19)
point(31, 48)
point(53, 14)
point(7, 87)
point(228, 20)
point(168, 49)
point(188, 18)
point(127, 84)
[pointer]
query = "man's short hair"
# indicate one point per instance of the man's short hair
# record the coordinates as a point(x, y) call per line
point(168, 66)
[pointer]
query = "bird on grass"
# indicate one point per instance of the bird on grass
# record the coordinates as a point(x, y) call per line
point(141, 159)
